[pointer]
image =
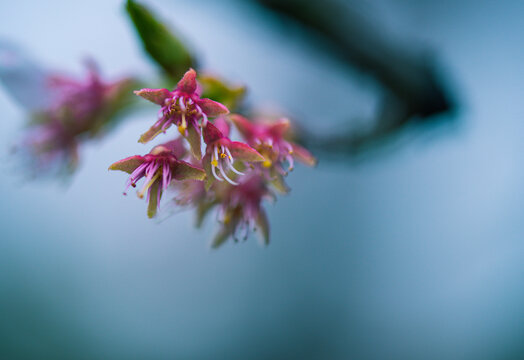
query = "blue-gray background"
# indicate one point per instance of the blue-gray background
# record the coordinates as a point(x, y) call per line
point(415, 254)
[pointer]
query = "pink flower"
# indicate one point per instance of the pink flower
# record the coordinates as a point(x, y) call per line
point(272, 141)
point(77, 110)
point(221, 153)
point(184, 108)
point(84, 106)
point(241, 210)
point(158, 168)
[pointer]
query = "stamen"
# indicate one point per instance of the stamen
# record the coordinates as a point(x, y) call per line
point(216, 153)
point(223, 173)
point(182, 104)
point(135, 175)
point(165, 175)
point(230, 165)
point(288, 147)
point(182, 128)
point(289, 159)
point(148, 185)
point(215, 173)
point(229, 154)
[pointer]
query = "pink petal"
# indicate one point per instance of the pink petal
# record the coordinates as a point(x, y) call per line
point(246, 128)
point(244, 152)
point(212, 133)
point(176, 147)
point(280, 128)
point(212, 108)
point(157, 96)
point(128, 164)
point(303, 155)
point(222, 125)
point(188, 84)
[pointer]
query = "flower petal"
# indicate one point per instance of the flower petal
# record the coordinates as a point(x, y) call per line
point(176, 147)
point(303, 155)
point(244, 126)
point(220, 238)
point(128, 164)
point(206, 163)
point(222, 125)
point(152, 133)
point(212, 108)
point(157, 96)
point(278, 182)
point(279, 128)
point(244, 152)
point(212, 133)
point(202, 210)
point(263, 226)
point(153, 199)
point(188, 84)
point(193, 138)
point(185, 171)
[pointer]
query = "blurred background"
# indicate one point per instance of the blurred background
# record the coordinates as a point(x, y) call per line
point(413, 251)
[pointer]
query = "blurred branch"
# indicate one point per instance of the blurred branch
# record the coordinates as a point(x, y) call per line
point(413, 88)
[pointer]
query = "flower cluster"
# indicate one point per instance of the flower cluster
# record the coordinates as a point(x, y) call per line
point(78, 109)
point(233, 177)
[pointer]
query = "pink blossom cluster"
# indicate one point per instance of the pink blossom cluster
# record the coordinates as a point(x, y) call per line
point(79, 109)
point(213, 172)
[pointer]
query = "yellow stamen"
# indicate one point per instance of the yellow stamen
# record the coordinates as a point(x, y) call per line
point(148, 185)
point(214, 163)
point(182, 128)
point(223, 156)
point(266, 163)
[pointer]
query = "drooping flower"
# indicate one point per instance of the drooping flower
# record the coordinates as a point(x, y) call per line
point(221, 153)
point(159, 168)
point(272, 140)
point(84, 106)
point(184, 108)
point(74, 111)
point(241, 210)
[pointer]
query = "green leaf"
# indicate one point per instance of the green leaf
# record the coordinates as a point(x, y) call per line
point(164, 47)
point(217, 89)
